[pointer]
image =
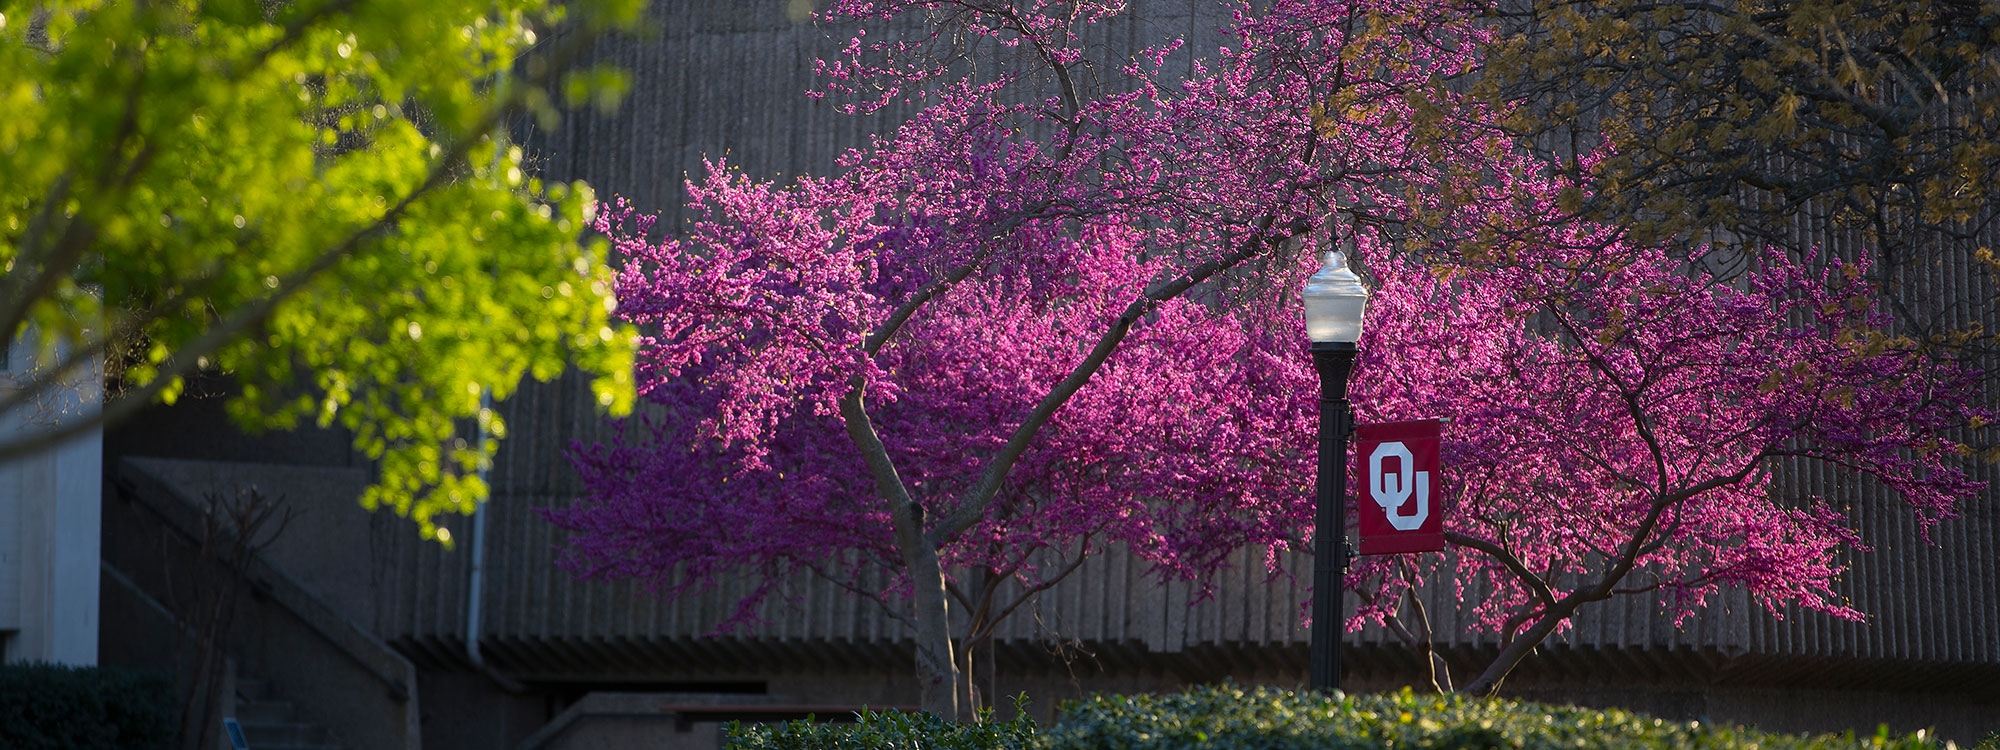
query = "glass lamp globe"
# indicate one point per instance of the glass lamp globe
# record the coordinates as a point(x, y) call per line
point(1335, 300)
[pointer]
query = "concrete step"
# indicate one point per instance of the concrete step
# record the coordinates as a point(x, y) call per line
point(252, 689)
point(272, 723)
point(266, 712)
point(284, 734)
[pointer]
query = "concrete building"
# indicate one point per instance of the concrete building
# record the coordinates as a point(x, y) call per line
point(379, 639)
point(49, 523)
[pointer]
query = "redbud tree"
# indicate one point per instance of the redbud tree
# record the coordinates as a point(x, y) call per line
point(1049, 313)
point(1056, 311)
point(1617, 418)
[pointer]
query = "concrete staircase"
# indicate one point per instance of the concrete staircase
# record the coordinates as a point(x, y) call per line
point(272, 723)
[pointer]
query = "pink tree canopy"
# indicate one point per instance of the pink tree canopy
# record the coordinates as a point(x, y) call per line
point(1050, 312)
point(1049, 315)
point(1617, 419)
point(1146, 455)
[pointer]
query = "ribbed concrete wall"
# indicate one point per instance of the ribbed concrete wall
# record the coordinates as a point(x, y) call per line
point(1930, 606)
point(724, 78)
point(728, 80)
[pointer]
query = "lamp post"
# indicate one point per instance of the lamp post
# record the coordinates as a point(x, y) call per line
point(1334, 300)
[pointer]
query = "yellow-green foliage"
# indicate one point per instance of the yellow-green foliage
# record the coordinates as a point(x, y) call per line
point(314, 197)
point(1232, 717)
point(1782, 123)
point(888, 730)
point(1229, 717)
point(1876, 116)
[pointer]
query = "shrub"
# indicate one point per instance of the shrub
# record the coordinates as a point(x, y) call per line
point(1227, 717)
point(57, 706)
point(888, 730)
point(1232, 717)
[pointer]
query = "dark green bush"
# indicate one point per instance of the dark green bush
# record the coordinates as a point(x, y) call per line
point(1992, 742)
point(1231, 717)
point(888, 730)
point(56, 706)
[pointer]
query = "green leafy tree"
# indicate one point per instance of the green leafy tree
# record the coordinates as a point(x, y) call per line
point(313, 197)
point(1778, 122)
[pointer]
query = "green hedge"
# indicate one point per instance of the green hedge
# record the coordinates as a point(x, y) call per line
point(889, 730)
point(1231, 717)
point(56, 706)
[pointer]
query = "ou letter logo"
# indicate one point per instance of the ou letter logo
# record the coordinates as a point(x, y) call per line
point(1393, 490)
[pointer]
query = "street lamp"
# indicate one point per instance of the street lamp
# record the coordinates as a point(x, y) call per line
point(1335, 300)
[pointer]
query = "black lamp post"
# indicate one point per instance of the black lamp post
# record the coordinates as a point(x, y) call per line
point(1334, 300)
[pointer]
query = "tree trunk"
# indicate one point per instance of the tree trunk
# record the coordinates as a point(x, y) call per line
point(1440, 671)
point(1562, 609)
point(1427, 644)
point(937, 671)
point(1489, 681)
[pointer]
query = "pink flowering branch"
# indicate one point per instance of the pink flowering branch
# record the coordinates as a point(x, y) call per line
point(1021, 324)
point(1661, 399)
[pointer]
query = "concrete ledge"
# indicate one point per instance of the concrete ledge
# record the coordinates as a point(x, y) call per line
point(668, 721)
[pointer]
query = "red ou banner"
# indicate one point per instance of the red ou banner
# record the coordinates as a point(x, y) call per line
point(1401, 506)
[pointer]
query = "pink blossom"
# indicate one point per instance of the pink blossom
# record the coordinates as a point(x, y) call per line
point(1617, 412)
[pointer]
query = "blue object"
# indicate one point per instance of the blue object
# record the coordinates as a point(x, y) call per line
point(235, 734)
